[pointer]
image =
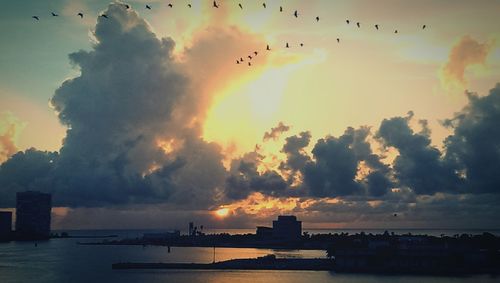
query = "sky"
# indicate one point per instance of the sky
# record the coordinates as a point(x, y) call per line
point(151, 118)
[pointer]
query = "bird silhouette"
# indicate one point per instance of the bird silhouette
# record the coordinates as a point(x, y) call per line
point(104, 16)
point(264, 5)
point(396, 31)
point(237, 61)
point(126, 6)
point(189, 5)
point(395, 214)
point(249, 64)
point(170, 5)
point(296, 14)
point(148, 7)
point(358, 24)
point(423, 27)
point(317, 19)
point(376, 26)
point(287, 46)
point(36, 18)
point(347, 21)
point(241, 6)
point(249, 57)
point(215, 5)
point(54, 14)
point(241, 59)
point(281, 9)
point(301, 44)
point(80, 14)
point(338, 40)
point(255, 52)
point(268, 48)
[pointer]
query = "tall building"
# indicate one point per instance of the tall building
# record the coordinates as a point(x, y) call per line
point(5, 225)
point(33, 215)
point(287, 227)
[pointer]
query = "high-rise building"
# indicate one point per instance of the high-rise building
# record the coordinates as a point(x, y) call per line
point(5, 225)
point(287, 227)
point(33, 215)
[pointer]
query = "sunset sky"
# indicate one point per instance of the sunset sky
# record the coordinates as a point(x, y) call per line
point(144, 119)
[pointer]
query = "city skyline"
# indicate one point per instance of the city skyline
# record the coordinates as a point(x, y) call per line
point(156, 119)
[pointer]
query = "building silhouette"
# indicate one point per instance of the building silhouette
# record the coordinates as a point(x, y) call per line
point(5, 225)
point(33, 215)
point(287, 227)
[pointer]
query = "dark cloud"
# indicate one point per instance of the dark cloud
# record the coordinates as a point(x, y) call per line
point(275, 132)
point(419, 165)
point(294, 148)
point(474, 146)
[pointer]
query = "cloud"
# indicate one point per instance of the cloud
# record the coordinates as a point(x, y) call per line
point(419, 166)
point(474, 146)
point(276, 132)
point(467, 52)
point(10, 128)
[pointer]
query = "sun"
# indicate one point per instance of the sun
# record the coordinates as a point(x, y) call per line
point(222, 212)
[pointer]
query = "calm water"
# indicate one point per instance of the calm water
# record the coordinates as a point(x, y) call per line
point(62, 260)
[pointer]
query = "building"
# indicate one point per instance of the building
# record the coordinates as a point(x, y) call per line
point(287, 227)
point(161, 236)
point(5, 225)
point(264, 232)
point(33, 215)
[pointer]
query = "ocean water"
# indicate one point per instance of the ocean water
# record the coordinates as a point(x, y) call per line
point(63, 260)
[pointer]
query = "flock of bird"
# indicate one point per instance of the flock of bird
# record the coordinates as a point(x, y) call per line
point(216, 5)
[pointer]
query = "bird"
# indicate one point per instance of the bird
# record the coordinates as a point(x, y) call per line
point(249, 64)
point(296, 14)
point(396, 31)
point(241, 6)
point(287, 46)
point(170, 5)
point(80, 14)
point(255, 52)
point(347, 21)
point(317, 19)
point(237, 61)
point(358, 24)
point(148, 7)
point(104, 16)
point(268, 48)
point(215, 5)
point(376, 26)
point(301, 44)
point(54, 14)
point(126, 6)
point(423, 27)
point(264, 5)
point(281, 9)
point(395, 214)
point(249, 57)
point(338, 40)
point(36, 18)
point(241, 59)
point(189, 5)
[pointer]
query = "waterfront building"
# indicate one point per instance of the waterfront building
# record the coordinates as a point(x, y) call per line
point(287, 227)
point(264, 232)
point(33, 215)
point(5, 225)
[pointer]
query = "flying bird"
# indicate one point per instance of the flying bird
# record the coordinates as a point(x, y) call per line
point(296, 14)
point(287, 46)
point(317, 19)
point(148, 7)
point(249, 64)
point(264, 5)
point(80, 14)
point(301, 44)
point(215, 5)
point(104, 16)
point(347, 21)
point(268, 48)
point(36, 18)
point(237, 61)
point(189, 5)
point(54, 14)
point(395, 214)
point(423, 27)
point(170, 5)
point(249, 57)
point(376, 26)
point(281, 9)
point(396, 31)
point(241, 59)
point(358, 24)
point(241, 6)
point(255, 52)
point(126, 6)
point(338, 40)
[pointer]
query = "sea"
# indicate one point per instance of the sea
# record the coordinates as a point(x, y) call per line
point(63, 260)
